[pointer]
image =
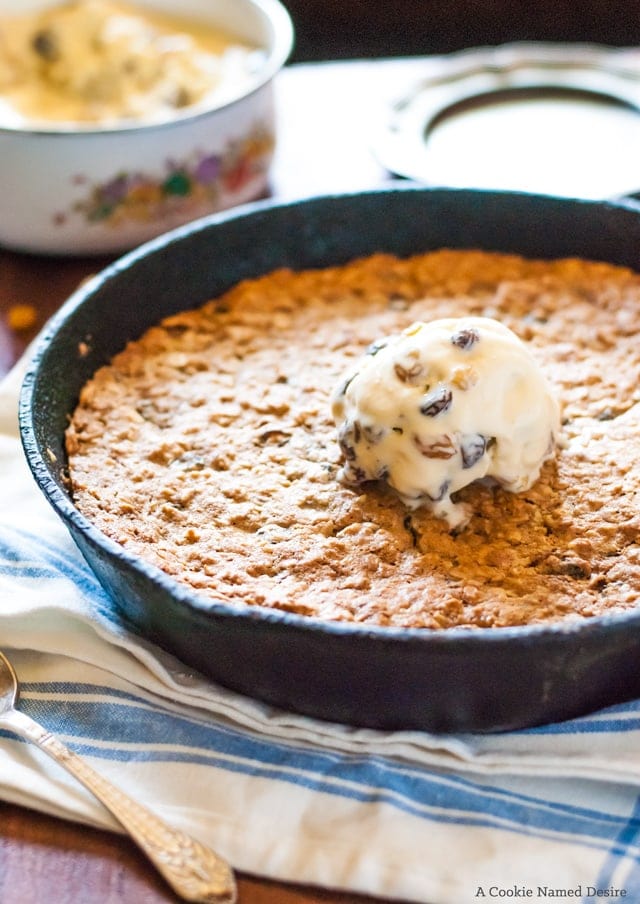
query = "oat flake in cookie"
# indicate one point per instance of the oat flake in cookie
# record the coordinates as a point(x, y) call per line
point(208, 447)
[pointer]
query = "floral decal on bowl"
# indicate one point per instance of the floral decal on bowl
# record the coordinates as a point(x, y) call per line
point(199, 184)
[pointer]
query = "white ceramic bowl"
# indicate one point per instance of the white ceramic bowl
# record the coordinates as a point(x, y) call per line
point(86, 189)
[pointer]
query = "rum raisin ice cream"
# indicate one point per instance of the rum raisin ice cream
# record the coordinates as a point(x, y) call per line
point(443, 404)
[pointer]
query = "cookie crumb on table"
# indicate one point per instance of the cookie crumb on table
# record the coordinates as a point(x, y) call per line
point(21, 317)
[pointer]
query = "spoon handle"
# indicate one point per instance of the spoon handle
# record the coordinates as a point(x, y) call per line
point(195, 872)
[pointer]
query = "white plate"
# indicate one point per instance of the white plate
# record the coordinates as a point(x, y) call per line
point(549, 118)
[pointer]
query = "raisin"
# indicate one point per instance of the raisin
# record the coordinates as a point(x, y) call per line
point(472, 448)
point(437, 403)
point(413, 533)
point(465, 338)
point(372, 434)
point(45, 44)
point(345, 441)
point(274, 436)
point(572, 567)
point(355, 474)
point(442, 492)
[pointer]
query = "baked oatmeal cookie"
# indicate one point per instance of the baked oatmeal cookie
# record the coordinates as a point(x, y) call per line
point(208, 448)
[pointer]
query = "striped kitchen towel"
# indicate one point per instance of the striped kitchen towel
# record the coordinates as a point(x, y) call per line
point(544, 814)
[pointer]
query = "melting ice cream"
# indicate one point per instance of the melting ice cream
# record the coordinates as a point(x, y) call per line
point(441, 405)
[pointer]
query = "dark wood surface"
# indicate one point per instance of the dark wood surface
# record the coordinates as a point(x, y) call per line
point(330, 29)
point(326, 114)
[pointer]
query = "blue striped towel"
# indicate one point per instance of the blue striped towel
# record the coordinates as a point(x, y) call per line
point(539, 815)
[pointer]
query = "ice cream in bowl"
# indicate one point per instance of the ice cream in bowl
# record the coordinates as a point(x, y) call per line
point(120, 120)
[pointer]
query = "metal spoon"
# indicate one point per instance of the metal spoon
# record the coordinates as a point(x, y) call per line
point(194, 872)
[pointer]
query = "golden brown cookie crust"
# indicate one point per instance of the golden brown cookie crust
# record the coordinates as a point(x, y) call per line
point(207, 447)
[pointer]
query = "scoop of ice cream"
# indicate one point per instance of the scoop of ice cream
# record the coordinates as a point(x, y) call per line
point(441, 405)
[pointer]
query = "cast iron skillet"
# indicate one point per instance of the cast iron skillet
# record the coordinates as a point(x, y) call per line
point(455, 680)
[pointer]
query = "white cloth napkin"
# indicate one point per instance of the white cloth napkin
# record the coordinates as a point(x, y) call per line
point(541, 814)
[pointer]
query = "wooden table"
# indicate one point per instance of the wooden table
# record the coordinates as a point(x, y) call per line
point(326, 114)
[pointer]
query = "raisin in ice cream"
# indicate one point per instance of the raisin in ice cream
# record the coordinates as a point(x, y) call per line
point(444, 404)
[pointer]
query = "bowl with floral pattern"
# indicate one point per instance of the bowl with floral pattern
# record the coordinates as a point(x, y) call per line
point(122, 119)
